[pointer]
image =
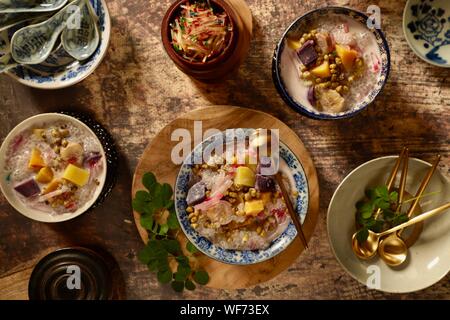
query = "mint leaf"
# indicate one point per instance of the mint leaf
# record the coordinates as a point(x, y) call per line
point(161, 244)
point(172, 221)
point(147, 221)
point(153, 265)
point(366, 210)
point(157, 250)
point(382, 204)
point(163, 263)
point(182, 273)
point(360, 219)
point(191, 248)
point(142, 195)
point(150, 208)
point(166, 193)
point(149, 181)
point(171, 246)
point(382, 192)
point(362, 235)
point(399, 219)
point(164, 276)
point(393, 196)
point(201, 277)
point(157, 196)
point(178, 286)
point(138, 205)
point(189, 285)
point(183, 260)
point(145, 255)
point(140, 201)
point(169, 205)
point(163, 229)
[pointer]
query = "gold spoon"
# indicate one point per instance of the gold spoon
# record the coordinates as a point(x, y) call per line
point(263, 138)
point(368, 248)
point(393, 249)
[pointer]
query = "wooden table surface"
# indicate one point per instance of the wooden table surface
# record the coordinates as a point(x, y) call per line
point(137, 90)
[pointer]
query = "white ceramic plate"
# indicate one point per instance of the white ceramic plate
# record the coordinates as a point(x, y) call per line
point(7, 189)
point(428, 259)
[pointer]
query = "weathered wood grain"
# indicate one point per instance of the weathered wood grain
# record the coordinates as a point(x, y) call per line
point(137, 90)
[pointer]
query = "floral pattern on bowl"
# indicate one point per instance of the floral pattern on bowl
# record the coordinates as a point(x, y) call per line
point(426, 24)
point(58, 71)
point(242, 257)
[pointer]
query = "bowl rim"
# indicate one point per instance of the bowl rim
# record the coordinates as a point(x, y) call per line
point(104, 45)
point(234, 262)
point(43, 216)
point(276, 76)
point(328, 223)
point(194, 65)
point(410, 42)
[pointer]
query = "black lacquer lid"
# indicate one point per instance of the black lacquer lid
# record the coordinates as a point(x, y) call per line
point(76, 273)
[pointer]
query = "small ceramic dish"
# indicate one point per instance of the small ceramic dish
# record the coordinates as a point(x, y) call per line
point(426, 25)
point(285, 67)
point(60, 70)
point(200, 70)
point(8, 190)
point(297, 179)
point(428, 259)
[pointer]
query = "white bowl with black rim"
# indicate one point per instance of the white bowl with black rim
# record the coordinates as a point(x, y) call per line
point(8, 189)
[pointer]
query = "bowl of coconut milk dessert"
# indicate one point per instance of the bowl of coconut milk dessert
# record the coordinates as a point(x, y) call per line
point(330, 63)
point(52, 167)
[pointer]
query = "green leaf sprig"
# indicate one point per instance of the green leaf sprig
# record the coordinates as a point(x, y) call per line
point(391, 215)
point(154, 204)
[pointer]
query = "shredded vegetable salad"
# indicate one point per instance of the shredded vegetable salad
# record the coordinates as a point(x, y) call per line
point(199, 34)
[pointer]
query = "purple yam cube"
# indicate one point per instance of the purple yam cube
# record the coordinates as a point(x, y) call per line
point(311, 96)
point(196, 194)
point(307, 54)
point(28, 188)
point(265, 183)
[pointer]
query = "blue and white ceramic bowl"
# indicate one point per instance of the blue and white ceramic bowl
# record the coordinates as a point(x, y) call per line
point(302, 23)
point(426, 24)
point(60, 70)
point(241, 257)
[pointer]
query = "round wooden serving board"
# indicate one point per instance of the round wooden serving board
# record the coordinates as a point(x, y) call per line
point(157, 159)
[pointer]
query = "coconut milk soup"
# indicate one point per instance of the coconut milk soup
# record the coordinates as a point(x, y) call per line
point(330, 65)
point(55, 167)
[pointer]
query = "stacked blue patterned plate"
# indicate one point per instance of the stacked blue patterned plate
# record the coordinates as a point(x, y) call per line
point(60, 69)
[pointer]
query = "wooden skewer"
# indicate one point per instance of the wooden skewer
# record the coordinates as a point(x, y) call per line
point(290, 207)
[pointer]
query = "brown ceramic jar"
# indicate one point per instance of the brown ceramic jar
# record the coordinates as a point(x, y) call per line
point(218, 66)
